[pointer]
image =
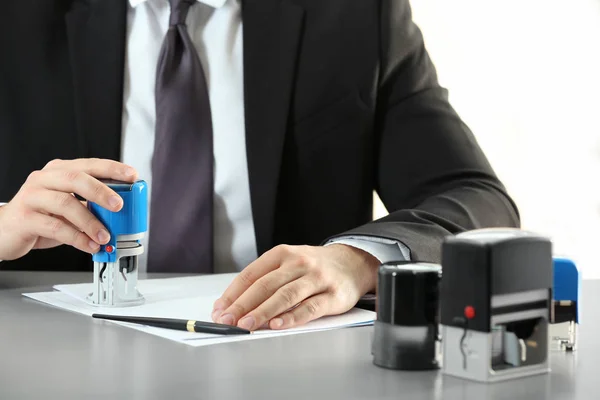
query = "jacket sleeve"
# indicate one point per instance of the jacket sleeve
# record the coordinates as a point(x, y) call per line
point(431, 173)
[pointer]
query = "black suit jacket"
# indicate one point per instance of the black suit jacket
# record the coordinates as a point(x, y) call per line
point(341, 99)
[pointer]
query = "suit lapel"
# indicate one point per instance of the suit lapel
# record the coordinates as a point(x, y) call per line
point(271, 36)
point(96, 32)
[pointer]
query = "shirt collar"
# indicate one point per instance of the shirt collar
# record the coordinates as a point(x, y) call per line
point(212, 3)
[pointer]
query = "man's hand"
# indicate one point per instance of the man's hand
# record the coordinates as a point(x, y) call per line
point(291, 285)
point(45, 213)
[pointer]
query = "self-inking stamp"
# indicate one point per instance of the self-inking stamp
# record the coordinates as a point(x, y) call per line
point(564, 319)
point(116, 264)
point(406, 332)
point(495, 298)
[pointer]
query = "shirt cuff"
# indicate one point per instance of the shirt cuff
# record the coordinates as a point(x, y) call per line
point(384, 250)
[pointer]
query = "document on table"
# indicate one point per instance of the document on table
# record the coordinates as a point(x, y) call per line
point(185, 298)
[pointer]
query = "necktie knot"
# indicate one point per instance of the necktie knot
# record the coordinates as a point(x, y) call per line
point(179, 11)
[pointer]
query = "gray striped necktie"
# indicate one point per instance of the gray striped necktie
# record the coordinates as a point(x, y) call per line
point(181, 231)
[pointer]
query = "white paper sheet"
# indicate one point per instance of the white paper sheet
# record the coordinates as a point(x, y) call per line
point(185, 298)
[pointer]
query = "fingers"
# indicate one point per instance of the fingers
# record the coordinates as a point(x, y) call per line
point(72, 210)
point(74, 181)
point(290, 286)
point(60, 231)
point(286, 298)
point(310, 309)
point(262, 290)
point(269, 261)
point(45, 213)
point(99, 168)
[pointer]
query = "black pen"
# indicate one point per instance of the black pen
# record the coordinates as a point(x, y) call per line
point(178, 324)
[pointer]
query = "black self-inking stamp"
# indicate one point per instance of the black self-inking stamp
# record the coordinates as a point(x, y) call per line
point(406, 332)
point(495, 299)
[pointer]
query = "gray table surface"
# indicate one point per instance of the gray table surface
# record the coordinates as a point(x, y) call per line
point(48, 353)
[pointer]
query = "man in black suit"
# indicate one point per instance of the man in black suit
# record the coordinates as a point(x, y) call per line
point(337, 99)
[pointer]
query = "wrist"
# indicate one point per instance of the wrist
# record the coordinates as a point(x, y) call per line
point(6, 235)
point(366, 263)
point(2, 207)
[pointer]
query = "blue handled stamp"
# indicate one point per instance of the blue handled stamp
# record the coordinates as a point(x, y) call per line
point(116, 263)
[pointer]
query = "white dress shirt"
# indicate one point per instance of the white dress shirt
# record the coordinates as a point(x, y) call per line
point(215, 27)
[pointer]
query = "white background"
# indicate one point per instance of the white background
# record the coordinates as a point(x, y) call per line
point(525, 76)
